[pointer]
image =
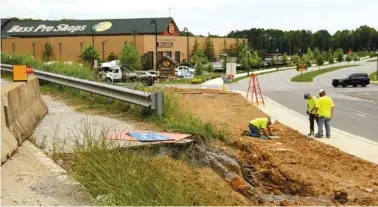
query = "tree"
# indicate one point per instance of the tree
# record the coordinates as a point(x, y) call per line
point(309, 55)
point(209, 49)
point(244, 57)
point(319, 60)
point(47, 54)
point(284, 59)
point(201, 62)
point(331, 59)
point(129, 56)
point(348, 58)
point(272, 62)
point(195, 47)
point(356, 57)
point(111, 57)
point(255, 59)
point(90, 54)
point(340, 55)
point(316, 53)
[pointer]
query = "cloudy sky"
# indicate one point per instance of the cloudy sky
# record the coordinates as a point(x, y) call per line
point(214, 16)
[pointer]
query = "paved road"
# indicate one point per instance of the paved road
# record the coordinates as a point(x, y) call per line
point(356, 108)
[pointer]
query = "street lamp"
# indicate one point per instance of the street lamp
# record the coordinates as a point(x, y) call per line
point(187, 44)
point(153, 23)
point(103, 50)
point(277, 58)
point(92, 30)
point(33, 49)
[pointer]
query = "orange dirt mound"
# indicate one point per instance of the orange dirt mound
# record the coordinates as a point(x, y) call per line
point(292, 164)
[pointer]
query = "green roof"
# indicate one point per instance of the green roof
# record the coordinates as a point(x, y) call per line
point(84, 27)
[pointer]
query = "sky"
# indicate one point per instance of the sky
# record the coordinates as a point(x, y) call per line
point(209, 16)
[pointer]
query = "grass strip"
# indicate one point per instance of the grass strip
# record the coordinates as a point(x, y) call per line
point(247, 76)
point(309, 76)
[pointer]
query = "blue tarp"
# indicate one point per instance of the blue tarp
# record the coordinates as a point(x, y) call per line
point(149, 136)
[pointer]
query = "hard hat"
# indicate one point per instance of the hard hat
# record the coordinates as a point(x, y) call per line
point(321, 90)
point(306, 95)
point(272, 120)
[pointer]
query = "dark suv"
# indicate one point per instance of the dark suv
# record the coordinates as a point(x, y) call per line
point(354, 80)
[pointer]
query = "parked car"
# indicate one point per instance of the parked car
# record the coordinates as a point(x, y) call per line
point(354, 80)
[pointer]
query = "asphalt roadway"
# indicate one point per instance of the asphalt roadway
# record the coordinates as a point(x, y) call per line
point(356, 109)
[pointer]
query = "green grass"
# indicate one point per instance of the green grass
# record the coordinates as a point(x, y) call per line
point(375, 60)
point(140, 176)
point(309, 76)
point(247, 76)
point(372, 76)
point(76, 70)
point(201, 78)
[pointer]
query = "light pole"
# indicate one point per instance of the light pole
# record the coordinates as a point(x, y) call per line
point(153, 23)
point(33, 49)
point(187, 44)
point(92, 30)
point(277, 58)
point(103, 50)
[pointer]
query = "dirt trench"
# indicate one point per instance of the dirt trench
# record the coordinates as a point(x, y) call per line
point(242, 177)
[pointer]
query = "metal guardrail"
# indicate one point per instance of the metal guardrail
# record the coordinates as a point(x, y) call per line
point(153, 101)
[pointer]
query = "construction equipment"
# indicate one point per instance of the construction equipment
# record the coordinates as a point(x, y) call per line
point(255, 90)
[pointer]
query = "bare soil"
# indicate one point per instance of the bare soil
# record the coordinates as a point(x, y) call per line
point(291, 165)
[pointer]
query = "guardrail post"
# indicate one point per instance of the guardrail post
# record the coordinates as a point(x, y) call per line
point(160, 103)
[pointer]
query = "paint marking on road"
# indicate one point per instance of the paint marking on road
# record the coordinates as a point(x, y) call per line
point(359, 114)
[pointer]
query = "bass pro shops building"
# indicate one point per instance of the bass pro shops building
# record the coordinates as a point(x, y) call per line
point(68, 38)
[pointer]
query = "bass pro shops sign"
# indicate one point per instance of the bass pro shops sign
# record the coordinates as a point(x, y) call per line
point(46, 28)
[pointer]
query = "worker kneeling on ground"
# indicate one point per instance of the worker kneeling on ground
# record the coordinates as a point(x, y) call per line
point(261, 124)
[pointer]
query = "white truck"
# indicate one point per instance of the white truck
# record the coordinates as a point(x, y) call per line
point(113, 72)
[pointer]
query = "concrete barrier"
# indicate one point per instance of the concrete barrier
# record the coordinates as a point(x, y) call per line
point(24, 108)
point(8, 141)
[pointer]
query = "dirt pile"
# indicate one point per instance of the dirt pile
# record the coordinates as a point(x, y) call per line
point(293, 165)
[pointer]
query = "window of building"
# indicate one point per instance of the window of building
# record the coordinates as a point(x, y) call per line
point(159, 55)
point(168, 53)
point(150, 61)
point(177, 56)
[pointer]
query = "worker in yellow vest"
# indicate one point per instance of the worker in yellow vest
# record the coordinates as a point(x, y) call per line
point(311, 102)
point(258, 124)
point(324, 108)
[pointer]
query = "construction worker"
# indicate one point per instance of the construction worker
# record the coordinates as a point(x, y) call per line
point(324, 109)
point(311, 101)
point(263, 124)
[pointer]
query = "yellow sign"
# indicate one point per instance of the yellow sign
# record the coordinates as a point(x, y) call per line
point(171, 28)
point(102, 26)
point(20, 73)
point(166, 63)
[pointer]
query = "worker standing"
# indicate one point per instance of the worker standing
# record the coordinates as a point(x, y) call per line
point(324, 109)
point(311, 102)
point(263, 124)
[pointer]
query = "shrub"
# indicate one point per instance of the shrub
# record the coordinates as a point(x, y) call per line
point(89, 55)
point(210, 68)
point(129, 56)
point(112, 57)
point(47, 54)
point(197, 81)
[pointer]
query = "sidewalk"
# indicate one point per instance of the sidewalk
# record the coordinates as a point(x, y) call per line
point(31, 178)
point(349, 143)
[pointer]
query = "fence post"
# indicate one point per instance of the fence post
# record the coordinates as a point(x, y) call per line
point(160, 103)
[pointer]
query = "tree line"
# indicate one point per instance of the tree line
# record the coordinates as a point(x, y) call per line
point(297, 41)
